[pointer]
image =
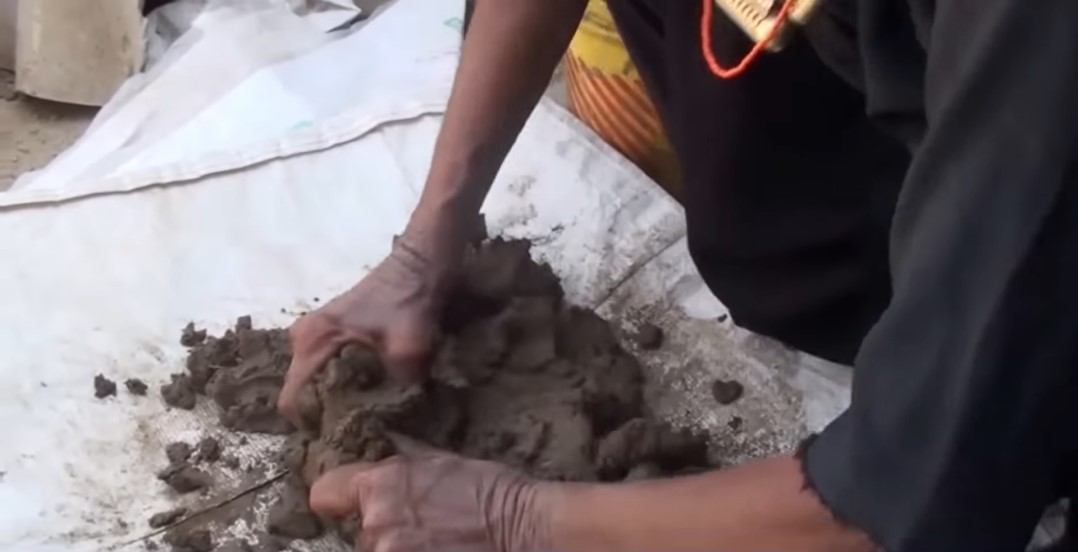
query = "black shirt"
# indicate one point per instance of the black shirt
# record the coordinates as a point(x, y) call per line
point(962, 426)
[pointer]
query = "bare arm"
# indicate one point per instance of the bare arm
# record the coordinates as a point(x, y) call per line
point(761, 506)
point(510, 53)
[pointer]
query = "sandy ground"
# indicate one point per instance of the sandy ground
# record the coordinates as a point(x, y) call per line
point(34, 131)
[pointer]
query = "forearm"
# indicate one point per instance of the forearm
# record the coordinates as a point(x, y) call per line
point(509, 55)
point(760, 506)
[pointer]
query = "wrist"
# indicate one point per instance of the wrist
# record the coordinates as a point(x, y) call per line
point(539, 502)
point(564, 511)
point(452, 196)
point(424, 263)
point(439, 226)
point(439, 230)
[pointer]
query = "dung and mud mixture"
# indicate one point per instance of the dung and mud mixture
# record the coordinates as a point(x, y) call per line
point(519, 377)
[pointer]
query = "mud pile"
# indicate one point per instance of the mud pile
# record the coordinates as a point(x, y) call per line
point(519, 377)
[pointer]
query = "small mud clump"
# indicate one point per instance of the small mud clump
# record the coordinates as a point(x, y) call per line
point(184, 478)
point(104, 387)
point(163, 519)
point(519, 377)
point(179, 393)
point(727, 392)
point(191, 337)
point(209, 450)
point(195, 540)
point(177, 452)
point(290, 516)
point(136, 386)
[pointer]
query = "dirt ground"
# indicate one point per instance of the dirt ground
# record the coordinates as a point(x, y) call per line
point(34, 131)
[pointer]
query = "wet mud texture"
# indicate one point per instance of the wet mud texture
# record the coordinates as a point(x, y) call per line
point(519, 377)
point(242, 371)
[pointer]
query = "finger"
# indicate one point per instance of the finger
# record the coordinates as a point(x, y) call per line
point(366, 540)
point(337, 492)
point(406, 540)
point(406, 352)
point(300, 372)
point(314, 341)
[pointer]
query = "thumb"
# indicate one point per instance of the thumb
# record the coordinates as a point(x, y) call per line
point(407, 350)
point(314, 343)
point(336, 493)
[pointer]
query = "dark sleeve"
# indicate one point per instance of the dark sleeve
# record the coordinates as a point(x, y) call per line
point(964, 394)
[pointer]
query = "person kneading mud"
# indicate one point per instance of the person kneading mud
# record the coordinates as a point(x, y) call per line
point(895, 190)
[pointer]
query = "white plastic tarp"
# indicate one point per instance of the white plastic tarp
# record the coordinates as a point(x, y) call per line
point(261, 165)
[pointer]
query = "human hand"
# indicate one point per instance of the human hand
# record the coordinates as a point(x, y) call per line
point(427, 500)
point(393, 310)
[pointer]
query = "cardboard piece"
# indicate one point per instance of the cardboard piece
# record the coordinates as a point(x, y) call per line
point(8, 14)
point(77, 52)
